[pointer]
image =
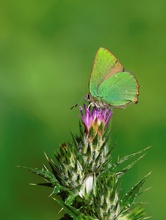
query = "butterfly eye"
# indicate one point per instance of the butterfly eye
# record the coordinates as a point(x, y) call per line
point(87, 97)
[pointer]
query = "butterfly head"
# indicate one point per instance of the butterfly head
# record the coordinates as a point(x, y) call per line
point(93, 101)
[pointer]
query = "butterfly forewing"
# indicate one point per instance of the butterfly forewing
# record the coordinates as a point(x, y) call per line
point(105, 65)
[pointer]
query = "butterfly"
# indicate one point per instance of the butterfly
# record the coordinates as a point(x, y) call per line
point(109, 84)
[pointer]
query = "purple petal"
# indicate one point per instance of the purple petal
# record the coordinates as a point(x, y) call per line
point(90, 116)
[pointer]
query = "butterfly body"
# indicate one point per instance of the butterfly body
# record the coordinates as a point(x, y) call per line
point(109, 84)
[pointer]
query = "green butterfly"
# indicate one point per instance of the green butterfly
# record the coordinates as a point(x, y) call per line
point(109, 84)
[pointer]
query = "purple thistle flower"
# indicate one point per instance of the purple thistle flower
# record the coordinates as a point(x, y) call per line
point(94, 117)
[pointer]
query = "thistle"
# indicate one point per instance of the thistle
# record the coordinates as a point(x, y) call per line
point(86, 180)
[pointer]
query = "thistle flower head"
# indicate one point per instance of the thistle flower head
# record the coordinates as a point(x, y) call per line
point(95, 118)
point(86, 179)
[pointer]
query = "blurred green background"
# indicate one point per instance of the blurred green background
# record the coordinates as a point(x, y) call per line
point(46, 54)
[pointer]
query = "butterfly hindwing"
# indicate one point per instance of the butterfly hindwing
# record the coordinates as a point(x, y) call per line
point(119, 90)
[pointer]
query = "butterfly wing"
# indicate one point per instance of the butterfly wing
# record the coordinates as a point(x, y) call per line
point(119, 90)
point(105, 65)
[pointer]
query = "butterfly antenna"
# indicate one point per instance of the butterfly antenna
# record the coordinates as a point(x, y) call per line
point(74, 106)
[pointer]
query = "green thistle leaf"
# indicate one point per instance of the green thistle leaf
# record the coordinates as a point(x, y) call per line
point(124, 159)
point(44, 173)
point(76, 214)
point(128, 198)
